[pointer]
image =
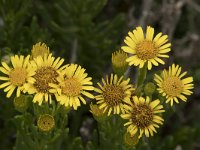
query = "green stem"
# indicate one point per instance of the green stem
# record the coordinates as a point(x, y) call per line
point(141, 78)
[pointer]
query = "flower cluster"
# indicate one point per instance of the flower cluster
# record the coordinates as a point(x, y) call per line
point(117, 95)
point(43, 76)
point(48, 79)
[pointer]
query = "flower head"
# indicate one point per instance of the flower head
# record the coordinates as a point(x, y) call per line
point(17, 75)
point(119, 63)
point(72, 84)
point(45, 122)
point(46, 70)
point(142, 116)
point(39, 49)
point(113, 94)
point(146, 49)
point(172, 85)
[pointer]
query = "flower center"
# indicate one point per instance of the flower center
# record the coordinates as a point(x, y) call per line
point(46, 122)
point(142, 115)
point(113, 95)
point(18, 76)
point(43, 77)
point(71, 87)
point(172, 86)
point(146, 50)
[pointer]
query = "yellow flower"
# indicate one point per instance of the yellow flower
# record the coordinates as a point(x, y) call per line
point(142, 116)
point(46, 122)
point(73, 83)
point(39, 49)
point(113, 94)
point(17, 75)
point(119, 63)
point(46, 70)
point(146, 49)
point(172, 86)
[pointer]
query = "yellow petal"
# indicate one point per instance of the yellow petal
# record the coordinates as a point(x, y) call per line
point(154, 103)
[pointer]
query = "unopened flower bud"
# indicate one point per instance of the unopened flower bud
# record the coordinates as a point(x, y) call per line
point(39, 49)
point(46, 122)
point(21, 103)
point(65, 109)
point(119, 63)
point(98, 113)
point(131, 140)
point(149, 88)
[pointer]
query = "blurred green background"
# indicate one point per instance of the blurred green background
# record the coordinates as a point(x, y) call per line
point(87, 32)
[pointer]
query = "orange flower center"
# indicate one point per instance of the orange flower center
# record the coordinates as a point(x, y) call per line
point(18, 76)
point(113, 95)
point(71, 87)
point(142, 115)
point(146, 50)
point(43, 77)
point(172, 86)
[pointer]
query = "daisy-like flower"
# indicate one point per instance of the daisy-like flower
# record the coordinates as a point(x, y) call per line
point(142, 116)
point(113, 94)
point(39, 49)
point(46, 70)
point(172, 85)
point(17, 75)
point(148, 49)
point(72, 85)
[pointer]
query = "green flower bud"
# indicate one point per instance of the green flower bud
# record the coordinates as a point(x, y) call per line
point(119, 63)
point(130, 140)
point(98, 113)
point(149, 88)
point(46, 122)
point(21, 103)
point(64, 109)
